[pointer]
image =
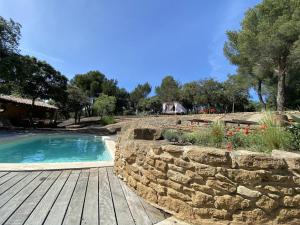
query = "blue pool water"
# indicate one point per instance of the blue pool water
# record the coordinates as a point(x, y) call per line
point(49, 148)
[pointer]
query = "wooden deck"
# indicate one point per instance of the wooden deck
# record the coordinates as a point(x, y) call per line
point(91, 196)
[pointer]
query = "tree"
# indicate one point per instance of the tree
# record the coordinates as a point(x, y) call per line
point(139, 93)
point(191, 95)
point(90, 82)
point(169, 90)
point(10, 34)
point(236, 90)
point(105, 105)
point(269, 36)
point(77, 99)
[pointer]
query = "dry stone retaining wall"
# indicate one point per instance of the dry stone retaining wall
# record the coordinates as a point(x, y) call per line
point(212, 186)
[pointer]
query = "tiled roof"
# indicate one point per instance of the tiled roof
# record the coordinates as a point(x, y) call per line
point(25, 101)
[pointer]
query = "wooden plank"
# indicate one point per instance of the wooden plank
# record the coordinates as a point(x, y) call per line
point(106, 206)
point(58, 210)
point(39, 214)
point(90, 210)
point(122, 210)
point(137, 210)
point(7, 177)
point(2, 173)
point(4, 187)
point(18, 199)
point(155, 215)
point(25, 209)
point(74, 212)
point(17, 188)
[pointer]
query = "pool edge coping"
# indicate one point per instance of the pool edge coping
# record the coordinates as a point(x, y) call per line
point(109, 144)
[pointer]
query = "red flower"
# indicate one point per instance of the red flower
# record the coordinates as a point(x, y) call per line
point(246, 130)
point(230, 133)
point(229, 146)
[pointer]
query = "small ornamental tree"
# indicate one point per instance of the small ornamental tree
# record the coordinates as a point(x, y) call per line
point(105, 105)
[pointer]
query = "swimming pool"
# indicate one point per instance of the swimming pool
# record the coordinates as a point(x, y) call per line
point(53, 148)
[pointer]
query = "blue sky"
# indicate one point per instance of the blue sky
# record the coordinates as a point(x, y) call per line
point(133, 41)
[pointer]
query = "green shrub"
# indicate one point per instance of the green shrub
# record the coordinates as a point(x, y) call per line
point(295, 131)
point(217, 134)
point(172, 135)
point(199, 138)
point(106, 120)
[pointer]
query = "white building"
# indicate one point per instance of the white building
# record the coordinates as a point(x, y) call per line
point(173, 108)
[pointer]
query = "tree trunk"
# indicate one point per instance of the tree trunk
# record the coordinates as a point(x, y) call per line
point(233, 106)
point(260, 97)
point(281, 90)
point(31, 113)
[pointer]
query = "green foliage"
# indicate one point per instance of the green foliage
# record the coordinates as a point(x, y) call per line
point(172, 135)
point(217, 133)
point(268, 137)
point(139, 94)
point(169, 90)
point(9, 37)
point(104, 105)
point(106, 120)
point(76, 100)
point(267, 45)
point(90, 83)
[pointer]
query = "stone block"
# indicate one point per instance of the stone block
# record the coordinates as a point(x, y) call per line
point(291, 201)
point(183, 164)
point(174, 185)
point(288, 214)
point(147, 192)
point(210, 156)
point(176, 168)
point(251, 217)
point(221, 186)
point(242, 190)
point(178, 195)
point(266, 203)
point(173, 149)
point(147, 134)
point(205, 170)
point(257, 162)
point(161, 165)
point(200, 200)
point(231, 203)
point(247, 177)
point(178, 177)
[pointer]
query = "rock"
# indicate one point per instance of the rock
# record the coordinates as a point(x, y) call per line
point(231, 203)
point(161, 165)
point(290, 201)
point(176, 168)
point(177, 177)
point(178, 195)
point(205, 170)
point(288, 214)
point(210, 156)
point(146, 192)
point(147, 134)
point(221, 186)
point(242, 190)
point(292, 158)
point(267, 204)
point(202, 200)
point(184, 164)
point(253, 217)
point(258, 161)
point(247, 177)
point(172, 149)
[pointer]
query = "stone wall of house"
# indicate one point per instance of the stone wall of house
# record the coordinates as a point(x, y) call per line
point(208, 185)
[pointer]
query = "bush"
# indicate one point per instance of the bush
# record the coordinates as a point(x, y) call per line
point(106, 120)
point(217, 134)
point(295, 131)
point(199, 138)
point(172, 135)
